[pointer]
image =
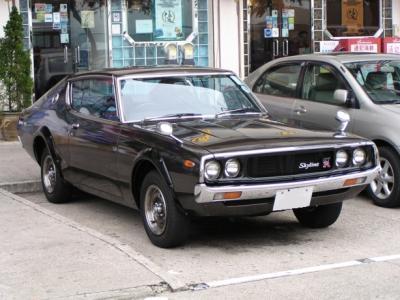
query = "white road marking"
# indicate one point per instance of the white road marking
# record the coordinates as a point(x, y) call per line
point(258, 277)
point(385, 258)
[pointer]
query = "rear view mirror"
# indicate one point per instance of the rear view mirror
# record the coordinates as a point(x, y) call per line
point(340, 96)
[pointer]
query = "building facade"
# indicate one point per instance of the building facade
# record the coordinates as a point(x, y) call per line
point(66, 36)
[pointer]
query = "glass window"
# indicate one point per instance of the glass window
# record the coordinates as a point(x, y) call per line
point(280, 81)
point(194, 95)
point(320, 83)
point(380, 79)
point(152, 23)
point(353, 17)
point(159, 20)
point(94, 97)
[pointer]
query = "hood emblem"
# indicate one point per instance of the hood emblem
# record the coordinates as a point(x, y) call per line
point(326, 163)
point(306, 166)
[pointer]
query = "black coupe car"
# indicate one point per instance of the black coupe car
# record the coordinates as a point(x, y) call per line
point(183, 142)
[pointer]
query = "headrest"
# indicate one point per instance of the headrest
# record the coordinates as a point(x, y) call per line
point(326, 82)
point(376, 79)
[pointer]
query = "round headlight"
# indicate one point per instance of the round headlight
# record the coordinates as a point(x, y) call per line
point(341, 158)
point(212, 170)
point(359, 157)
point(232, 168)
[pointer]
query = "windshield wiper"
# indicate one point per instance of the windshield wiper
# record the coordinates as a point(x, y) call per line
point(388, 102)
point(246, 110)
point(174, 116)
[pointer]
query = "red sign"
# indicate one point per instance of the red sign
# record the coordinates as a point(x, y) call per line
point(391, 45)
point(370, 45)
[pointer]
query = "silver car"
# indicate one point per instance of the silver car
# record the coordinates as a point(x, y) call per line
point(308, 91)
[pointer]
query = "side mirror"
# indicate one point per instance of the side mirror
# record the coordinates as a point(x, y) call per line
point(344, 119)
point(340, 96)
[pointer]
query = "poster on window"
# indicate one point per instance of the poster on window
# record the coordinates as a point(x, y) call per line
point(353, 15)
point(168, 19)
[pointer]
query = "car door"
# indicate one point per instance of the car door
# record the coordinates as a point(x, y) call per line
point(316, 108)
point(94, 132)
point(277, 87)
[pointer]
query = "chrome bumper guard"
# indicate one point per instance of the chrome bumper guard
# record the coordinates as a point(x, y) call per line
point(206, 194)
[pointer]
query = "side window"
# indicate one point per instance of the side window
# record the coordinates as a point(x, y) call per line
point(279, 81)
point(320, 83)
point(94, 97)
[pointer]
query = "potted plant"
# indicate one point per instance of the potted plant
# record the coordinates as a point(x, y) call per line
point(15, 75)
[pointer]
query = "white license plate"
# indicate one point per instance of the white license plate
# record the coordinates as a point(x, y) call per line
point(293, 198)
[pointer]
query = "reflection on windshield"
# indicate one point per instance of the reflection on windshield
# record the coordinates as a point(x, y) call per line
point(380, 79)
point(182, 96)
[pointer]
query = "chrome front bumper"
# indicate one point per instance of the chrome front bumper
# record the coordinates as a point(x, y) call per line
point(206, 194)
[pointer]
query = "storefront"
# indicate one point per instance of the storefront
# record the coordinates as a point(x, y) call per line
point(76, 35)
point(67, 36)
point(288, 27)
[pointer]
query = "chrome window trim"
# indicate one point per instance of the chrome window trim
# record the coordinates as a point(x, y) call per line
point(237, 154)
point(89, 77)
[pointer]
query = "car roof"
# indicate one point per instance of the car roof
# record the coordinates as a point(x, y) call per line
point(344, 57)
point(154, 70)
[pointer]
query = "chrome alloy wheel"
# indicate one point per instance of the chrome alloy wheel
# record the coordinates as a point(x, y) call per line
point(383, 185)
point(155, 210)
point(49, 174)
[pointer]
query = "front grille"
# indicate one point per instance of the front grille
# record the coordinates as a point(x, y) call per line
point(290, 164)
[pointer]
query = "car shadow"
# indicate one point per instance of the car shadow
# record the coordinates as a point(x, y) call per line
point(228, 234)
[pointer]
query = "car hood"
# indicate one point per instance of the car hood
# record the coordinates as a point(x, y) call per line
point(392, 107)
point(230, 134)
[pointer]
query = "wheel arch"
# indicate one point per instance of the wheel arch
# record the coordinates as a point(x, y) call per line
point(141, 168)
point(384, 143)
point(42, 140)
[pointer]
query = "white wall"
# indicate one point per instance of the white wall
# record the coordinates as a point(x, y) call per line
point(4, 14)
point(396, 17)
point(226, 35)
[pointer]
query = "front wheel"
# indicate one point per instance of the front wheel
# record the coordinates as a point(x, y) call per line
point(318, 216)
point(165, 225)
point(385, 190)
point(56, 189)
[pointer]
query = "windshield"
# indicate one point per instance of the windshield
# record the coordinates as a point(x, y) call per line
point(380, 79)
point(179, 96)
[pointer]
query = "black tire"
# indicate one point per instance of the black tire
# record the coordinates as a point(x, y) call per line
point(170, 227)
point(383, 198)
point(318, 216)
point(56, 189)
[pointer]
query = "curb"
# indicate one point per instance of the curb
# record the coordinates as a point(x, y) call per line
point(30, 186)
point(174, 283)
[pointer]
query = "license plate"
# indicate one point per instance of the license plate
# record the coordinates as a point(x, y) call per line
point(293, 198)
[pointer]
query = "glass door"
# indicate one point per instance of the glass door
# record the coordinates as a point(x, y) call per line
point(279, 28)
point(68, 36)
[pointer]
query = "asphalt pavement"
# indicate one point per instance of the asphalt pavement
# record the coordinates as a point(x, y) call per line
point(90, 248)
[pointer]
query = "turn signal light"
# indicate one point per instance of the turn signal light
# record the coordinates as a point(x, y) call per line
point(188, 164)
point(354, 181)
point(227, 196)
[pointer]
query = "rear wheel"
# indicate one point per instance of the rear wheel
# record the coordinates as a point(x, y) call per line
point(165, 225)
point(385, 190)
point(56, 189)
point(318, 216)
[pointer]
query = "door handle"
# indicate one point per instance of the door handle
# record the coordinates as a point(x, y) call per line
point(78, 51)
point(286, 47)
point(300, 110)
point(276, 48)
point(65, 54)
point(75, 125)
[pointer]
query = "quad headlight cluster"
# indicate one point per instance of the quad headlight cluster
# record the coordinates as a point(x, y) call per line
point(356, 157)
point(213, 169)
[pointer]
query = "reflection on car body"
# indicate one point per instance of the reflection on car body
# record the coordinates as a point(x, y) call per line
point(183, 142)
point(366, 86)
